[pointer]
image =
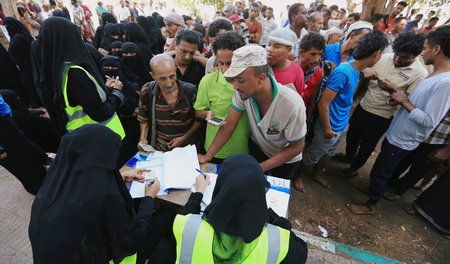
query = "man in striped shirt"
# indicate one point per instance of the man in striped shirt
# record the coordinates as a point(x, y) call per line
point(170, 102)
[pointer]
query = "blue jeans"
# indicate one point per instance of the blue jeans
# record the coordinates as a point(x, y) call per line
point(383, 169)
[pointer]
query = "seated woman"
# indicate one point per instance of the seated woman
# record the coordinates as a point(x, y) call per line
point(236, 227)
point(82, 212)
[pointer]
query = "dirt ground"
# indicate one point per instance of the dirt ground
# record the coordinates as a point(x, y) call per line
point(391, 232)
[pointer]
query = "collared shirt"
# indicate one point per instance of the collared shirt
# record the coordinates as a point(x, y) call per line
point(333, 53)
point(269, 26)
point(432, 101)
point(170, 123)
point(284, 121)
point(405, 78)
point(193, 73)
point(215, 94)
point(441, 134)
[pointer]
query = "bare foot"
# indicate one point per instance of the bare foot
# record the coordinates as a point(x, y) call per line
point(298, 184)
point(321, 181)
point(361, 209)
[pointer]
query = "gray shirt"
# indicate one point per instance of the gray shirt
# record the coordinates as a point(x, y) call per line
point(432, 101)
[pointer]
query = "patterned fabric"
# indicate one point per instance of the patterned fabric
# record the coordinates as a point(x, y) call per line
point(441, 134)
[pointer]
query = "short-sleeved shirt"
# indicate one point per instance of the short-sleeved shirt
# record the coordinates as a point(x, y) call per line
point(193, 74)
point(254, 27)
point(405, 78)
point(333, 53)
point(124, 13)
point(101, 10)
point(291, 77)
point(170, 123)
point(313, 79)
point(343, 80)
point(86, 10)
point(284, 122)
point(215, 94)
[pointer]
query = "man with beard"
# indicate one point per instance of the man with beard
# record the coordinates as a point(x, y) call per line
point(373, 115)
point(173, 22)
point(188, 69)
point(276, 114)
point(166, 105)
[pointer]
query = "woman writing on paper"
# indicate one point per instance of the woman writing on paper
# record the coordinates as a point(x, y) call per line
point(236, 227)
point(82, 212)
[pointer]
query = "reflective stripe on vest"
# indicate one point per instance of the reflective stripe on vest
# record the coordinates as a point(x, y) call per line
point(76, 115)
point(195, 238)
point(127, 260)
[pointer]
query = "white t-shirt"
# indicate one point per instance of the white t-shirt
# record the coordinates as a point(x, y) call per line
point(124, 13)
point(284, 122)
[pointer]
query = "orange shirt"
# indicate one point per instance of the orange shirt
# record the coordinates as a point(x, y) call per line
point(253, 27)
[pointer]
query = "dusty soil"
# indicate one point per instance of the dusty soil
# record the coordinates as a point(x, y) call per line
point(391, 232)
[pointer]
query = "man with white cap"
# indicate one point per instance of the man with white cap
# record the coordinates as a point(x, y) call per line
point(285, 71)
point(338, 53)
point(276, 114)
point(173, 22)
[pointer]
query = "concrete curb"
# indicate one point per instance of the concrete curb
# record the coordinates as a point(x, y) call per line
point(359, 255)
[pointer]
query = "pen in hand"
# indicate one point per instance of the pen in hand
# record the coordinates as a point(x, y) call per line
point(201, 173)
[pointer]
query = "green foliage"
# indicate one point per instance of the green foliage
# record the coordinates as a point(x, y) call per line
point(438, 4)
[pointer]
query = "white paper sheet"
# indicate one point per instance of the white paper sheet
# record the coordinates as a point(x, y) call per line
point(278, 201)
point(179, 167)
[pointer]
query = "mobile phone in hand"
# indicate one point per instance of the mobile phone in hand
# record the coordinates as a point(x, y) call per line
point(216, 121)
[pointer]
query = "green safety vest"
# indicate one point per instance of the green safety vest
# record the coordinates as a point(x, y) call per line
point(127, 260)
point(195, 239)
point(76, 115)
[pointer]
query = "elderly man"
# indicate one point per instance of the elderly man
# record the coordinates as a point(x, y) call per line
point(315, 22)
point(338, 53)
point(173, 22)
point(276, 114)
point(286, 72)
point(229, 10)
point(166, 105)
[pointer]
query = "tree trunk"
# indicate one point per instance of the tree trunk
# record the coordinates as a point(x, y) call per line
point(9, 8)
point(370, 7)
point(350, 6)
point(390, 6)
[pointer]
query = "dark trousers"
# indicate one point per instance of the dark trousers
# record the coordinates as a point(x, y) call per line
point(285, 171)
point(364, 132)
point(383, 169)
point(130, 142)
point(420, 166)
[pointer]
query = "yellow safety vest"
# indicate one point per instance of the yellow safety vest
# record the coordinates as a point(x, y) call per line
point(76, 115)
point(128, 260)
point(195, 238)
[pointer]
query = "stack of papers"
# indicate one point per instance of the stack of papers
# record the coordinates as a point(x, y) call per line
point(174, 169)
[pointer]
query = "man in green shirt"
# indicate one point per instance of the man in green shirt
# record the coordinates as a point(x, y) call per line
point(100, 10)
point(214, 98)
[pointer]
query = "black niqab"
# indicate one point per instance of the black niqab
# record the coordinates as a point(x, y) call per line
point(134, 33)
point(60, 42)
point(111, 33)
point(107, 18)
point(238, 206)
point(135, 63)
point(81, 212)
point(116, 45)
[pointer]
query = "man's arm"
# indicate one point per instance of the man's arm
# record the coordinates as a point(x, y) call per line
point(324, 112)
point(222, 136)
point(181, 141)
point(283, 156)
point(144, 133)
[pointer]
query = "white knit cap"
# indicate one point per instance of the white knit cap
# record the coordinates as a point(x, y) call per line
point(358, 25)
point(283, 36)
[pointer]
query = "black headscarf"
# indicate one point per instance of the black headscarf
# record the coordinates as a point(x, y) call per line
point(148, 29)
point(134, 33)
point(238, 206)
point(81, 213)
point(19, 54)
point(159, 39)
point(136, 63)
point(111, 61)
point(59, 42)
point(107, 18)
point(110, 30)
point(116, 45)
point(159, 19)
point(59, 13)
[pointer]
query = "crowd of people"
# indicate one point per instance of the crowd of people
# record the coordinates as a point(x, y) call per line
point(258, 94)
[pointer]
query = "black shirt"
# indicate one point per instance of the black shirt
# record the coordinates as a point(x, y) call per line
point(193, 74)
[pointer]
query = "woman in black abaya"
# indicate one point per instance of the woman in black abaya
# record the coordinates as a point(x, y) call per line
point(111, 33)
point(238, 212)
point(19, 53)
point(134, 33)
point(60, 49)
point(157, 32)
point(134, 65)
point(112, 66)
point(151, 36)
point(82, 213)
point(107, 18)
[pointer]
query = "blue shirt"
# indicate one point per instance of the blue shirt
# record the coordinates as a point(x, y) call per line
point(342, 80)
point(4, 107)
point(432, 101)
point(333, 53)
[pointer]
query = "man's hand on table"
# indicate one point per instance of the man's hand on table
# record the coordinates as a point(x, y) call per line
point(203, 158)
point(201, 183)
point(152, 188)
point(133, 175)
point(143, 142)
